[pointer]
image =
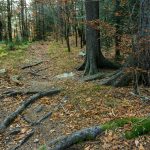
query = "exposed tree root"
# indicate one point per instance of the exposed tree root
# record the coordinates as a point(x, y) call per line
point(119, 79)
point(31, 65)
point(65, 142)
point(103, 64)
point(24, 91)
point(26, 138)
point(93, 77)
point(34, 123)
point(140, 126)
point(108, 64)
point(10, 118)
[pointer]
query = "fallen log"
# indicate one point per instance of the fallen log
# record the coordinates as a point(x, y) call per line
point(31, 65)
point(10, 118)
point(65, 142)
point(26, 138)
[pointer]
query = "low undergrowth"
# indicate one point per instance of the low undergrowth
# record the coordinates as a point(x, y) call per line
point(139, 126)
point(8, 57)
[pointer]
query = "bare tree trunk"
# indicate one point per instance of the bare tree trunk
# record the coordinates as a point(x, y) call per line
point(118, 29)
point(140, 59)
point(9, 20)
point(1, 29)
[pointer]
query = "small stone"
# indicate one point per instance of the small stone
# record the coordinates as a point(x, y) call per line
point(15, 131)
point(17, 126)
point(65, 75)
point(36, 140)
point(15, 78)
point(82, 53)
point(39, 109)
point(3, 72)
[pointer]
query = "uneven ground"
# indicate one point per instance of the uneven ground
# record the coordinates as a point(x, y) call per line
point(78, 105)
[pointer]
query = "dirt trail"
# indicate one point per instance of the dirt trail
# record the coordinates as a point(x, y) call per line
point(79, 104)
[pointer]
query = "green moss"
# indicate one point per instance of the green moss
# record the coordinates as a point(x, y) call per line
point(140, 126)
point(118, 123)
point(43, 147)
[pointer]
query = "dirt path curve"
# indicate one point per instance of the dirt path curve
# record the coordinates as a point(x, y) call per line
point(79, 105)
point(49, 128)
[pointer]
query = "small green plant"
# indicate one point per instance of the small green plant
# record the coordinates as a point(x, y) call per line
point(11, 46)
point(43, 147)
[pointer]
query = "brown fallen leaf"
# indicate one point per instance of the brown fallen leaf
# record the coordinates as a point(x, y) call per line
point(141, 147)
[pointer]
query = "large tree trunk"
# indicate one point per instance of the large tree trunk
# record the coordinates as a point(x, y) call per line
point(139, 61)
point(142, 53)
point(94, 57)
point(92, 38)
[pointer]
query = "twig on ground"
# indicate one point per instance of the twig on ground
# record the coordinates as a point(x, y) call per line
point(31, 65)
point(26, 138)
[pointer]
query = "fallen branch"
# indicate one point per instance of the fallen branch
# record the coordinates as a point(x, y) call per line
point(20, 92)
point(9, 119)
point(31, 65)
point(42, 118)
point(26, 138)
point(34, 123)
point(65, 142)
point(41, 69)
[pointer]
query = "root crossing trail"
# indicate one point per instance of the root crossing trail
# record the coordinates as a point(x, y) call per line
point(79, 105)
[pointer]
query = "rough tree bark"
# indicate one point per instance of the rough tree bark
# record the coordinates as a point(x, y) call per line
point(9, 20)
point(118, 28)
point(139, 61)
point(1, 29)
point(82, 135)
point(94, 57)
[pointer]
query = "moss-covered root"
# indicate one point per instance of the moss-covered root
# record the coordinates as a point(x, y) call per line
point(140, 126)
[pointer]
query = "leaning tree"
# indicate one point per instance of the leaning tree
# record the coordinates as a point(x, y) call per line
point(94, 57)
point(138, 64)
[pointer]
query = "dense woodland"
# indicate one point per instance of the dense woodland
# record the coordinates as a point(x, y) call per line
point(93, 56)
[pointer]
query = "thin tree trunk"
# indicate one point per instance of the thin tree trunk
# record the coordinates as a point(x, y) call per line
point(9, 26)
point(118, 30)
point(1, 29)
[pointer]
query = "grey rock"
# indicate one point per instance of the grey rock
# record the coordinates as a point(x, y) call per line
point(3, 72)
point(15, 131)
point(39, 108)
point(65, 75)
point(15, 78)
point(36, 140)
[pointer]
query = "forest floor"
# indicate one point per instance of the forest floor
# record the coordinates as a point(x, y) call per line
point(79, 104)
